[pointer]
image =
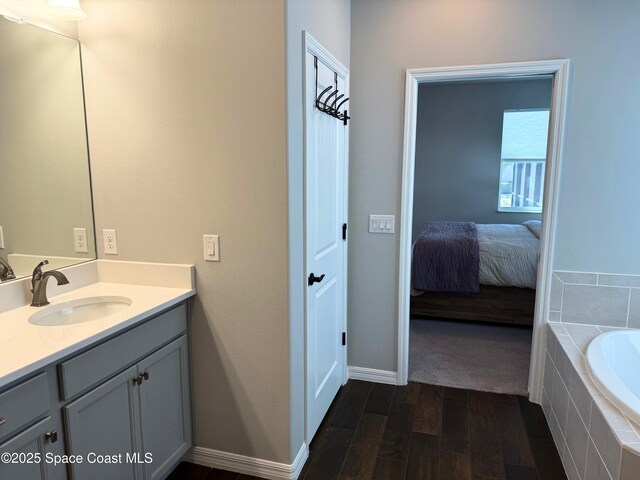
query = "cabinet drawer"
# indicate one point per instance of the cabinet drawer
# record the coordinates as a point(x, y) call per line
point(96, 365)
point(24, 403)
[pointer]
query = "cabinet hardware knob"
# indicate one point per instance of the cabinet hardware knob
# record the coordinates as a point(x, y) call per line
point(3, 420)
point(52, 436)
point(141, 377)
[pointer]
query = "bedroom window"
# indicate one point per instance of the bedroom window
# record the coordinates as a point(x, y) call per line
point(523, 158)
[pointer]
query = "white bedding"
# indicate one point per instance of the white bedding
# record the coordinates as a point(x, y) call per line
point(509, 254)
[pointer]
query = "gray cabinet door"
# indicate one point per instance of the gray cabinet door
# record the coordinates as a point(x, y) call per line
point(104, 422)
point(165, 408)
point(28, 452)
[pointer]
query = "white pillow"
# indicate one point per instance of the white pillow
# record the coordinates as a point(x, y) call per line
point(534, 226)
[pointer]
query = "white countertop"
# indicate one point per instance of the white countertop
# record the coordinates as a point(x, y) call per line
point(25, 348)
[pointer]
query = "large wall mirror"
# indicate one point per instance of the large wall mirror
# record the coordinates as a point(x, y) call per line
point(45, 189)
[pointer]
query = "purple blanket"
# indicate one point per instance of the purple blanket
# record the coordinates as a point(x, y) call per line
point(446, 258)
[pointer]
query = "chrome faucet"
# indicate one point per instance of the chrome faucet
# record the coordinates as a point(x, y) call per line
point(6, 272)
point(39, 283)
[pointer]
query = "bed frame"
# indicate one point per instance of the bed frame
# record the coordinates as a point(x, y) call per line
point(509, 305)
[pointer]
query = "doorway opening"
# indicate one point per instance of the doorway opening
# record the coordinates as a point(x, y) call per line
point(480, 169)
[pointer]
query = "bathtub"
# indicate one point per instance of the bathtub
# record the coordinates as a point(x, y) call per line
point(613, 362)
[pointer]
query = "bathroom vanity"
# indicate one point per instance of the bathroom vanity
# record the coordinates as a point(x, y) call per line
point(96, 384)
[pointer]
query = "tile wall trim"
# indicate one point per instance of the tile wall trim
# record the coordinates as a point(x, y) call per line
point(608, 299)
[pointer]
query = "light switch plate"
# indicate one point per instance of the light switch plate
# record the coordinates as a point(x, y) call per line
point(382, 223)
point(110, 241)
point(211, 244)
point(80, 240)
point(1, 238)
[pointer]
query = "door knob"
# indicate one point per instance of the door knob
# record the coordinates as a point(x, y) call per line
point(52, 436)
point(313, 279)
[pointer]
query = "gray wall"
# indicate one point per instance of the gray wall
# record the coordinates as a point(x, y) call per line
point(598, 206)
point(188, 159)
point(458, 145)
point(328, 21)
point(186, 106)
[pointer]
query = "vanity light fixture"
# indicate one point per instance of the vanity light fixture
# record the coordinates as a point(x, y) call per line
point(66, 10)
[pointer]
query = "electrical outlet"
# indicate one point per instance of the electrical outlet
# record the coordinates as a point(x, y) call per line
point(211, 245)
point(110, 241)
point(80, 240)
point(1, 238)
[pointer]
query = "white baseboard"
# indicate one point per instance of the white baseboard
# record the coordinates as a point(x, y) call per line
point(373, 375)
point(249, 465)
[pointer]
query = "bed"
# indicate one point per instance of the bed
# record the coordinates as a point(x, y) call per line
point(476, 272)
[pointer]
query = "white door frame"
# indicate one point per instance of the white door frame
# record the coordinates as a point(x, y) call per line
point(312, 46)
point(560, 90)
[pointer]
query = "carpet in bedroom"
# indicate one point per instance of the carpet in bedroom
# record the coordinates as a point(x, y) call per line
point(489, 358)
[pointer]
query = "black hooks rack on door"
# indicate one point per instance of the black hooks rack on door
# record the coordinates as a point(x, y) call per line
point(330, 104)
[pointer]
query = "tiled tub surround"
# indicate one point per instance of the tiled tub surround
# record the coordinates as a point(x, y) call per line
point(595, 299)
point(595, 440)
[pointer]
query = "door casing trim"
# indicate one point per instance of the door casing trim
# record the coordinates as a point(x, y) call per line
point(560, 69)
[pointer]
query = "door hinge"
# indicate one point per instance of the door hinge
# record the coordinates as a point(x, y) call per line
point(344, 231)
point(344, 338)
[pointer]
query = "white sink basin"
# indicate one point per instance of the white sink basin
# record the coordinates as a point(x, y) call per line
point(81, 310)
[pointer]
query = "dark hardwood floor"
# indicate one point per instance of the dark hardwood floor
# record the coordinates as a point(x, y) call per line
point(375, 431)
point(191, 471)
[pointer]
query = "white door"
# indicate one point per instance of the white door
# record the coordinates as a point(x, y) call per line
point(325, 189)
